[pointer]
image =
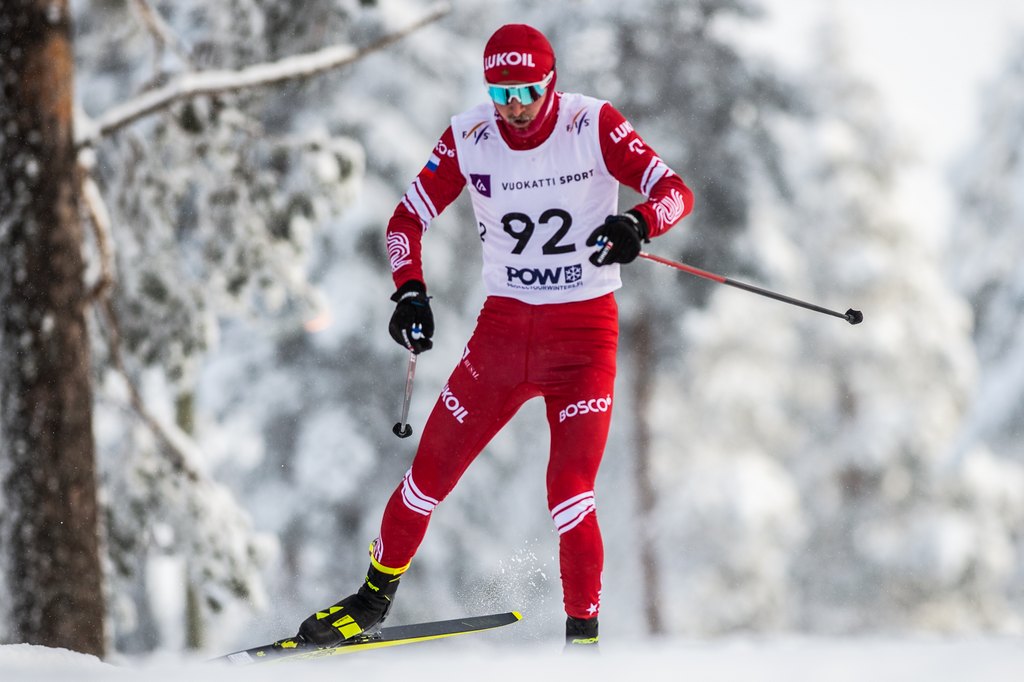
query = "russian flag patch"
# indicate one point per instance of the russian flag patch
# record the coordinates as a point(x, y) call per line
point(432, 163)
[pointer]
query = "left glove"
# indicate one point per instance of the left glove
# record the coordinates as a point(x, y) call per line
point(412, 323)
point(619, 239)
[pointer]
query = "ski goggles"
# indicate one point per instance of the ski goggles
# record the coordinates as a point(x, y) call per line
point(526, 93)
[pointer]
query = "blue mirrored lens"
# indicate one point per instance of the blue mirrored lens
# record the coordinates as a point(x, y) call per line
point(503, 94)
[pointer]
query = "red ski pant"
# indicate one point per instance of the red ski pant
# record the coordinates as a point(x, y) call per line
point(562, 352)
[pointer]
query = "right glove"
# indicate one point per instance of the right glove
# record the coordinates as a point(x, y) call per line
point(619, 239)
point(412, 323)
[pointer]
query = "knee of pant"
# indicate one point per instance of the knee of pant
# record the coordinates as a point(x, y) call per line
point(571, 511)
point(415, 499)
point(565, 485)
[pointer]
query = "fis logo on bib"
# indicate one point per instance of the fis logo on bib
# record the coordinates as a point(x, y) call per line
point(478, 132)
point(547, 279)
point(585, 407)
point(579, 121)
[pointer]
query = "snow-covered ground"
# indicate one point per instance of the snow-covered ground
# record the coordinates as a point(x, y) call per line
point(788, 659)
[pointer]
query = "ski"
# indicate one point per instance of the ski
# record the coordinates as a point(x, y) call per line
point(296, 649)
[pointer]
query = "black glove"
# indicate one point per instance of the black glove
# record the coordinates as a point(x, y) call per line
point(412, 323)
point(618, 239)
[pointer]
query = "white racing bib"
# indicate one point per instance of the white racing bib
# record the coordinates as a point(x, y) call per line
point(535, 208)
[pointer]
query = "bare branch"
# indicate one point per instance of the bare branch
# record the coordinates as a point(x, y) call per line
point(172, 445)
point(162, 33)
point(99, 217)
point(211, 82)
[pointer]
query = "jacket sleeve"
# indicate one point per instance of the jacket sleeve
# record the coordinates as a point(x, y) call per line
point(633, 163)
point(436, 186)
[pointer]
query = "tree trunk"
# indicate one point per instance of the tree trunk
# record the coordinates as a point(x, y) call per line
point(642, 349)
point(48, 529)
point(185, 416)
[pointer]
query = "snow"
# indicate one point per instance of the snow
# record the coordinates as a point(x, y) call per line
point(786, 659)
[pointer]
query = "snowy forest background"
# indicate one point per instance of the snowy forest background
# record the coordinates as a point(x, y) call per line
point(769, 469)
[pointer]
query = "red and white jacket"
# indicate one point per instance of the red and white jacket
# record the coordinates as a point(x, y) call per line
point(536, 206)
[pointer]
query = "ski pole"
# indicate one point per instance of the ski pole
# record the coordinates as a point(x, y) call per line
point(852, 316)
point(403, 429)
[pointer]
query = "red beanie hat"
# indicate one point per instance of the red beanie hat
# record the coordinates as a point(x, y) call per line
point(517, 53)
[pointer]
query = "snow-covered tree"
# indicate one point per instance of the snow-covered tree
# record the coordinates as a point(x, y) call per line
point(202, 190)
point(986, 247)
point(881, 505)
point(857, 519)
point(982, 260)
point(209, 214)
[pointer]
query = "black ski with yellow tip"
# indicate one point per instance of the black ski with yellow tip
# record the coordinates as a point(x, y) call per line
point(295, 648)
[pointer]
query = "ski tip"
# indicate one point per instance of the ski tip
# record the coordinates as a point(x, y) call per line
point(518, 616)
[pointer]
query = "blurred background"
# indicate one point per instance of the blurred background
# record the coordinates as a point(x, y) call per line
point(769, 469)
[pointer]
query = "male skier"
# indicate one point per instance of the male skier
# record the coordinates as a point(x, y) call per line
point(543, 170)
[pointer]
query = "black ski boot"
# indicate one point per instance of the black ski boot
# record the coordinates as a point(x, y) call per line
point(354, 615)
point(581, 634)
